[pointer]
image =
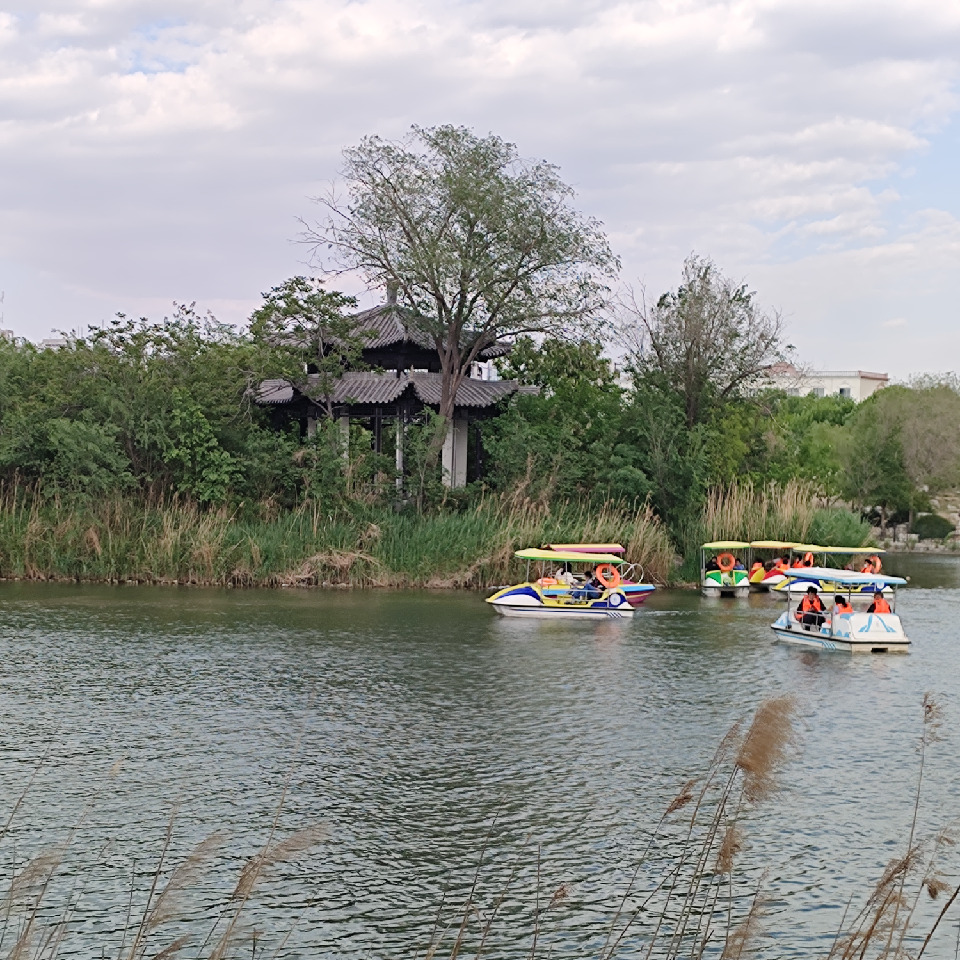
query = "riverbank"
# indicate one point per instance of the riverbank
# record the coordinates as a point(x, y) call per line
point(178, 543)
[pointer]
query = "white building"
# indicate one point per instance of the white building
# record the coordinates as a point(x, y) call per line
point(856, 384)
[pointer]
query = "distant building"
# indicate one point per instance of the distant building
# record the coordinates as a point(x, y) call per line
point(856, 384)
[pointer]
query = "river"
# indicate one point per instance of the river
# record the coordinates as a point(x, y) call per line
point(424, 733)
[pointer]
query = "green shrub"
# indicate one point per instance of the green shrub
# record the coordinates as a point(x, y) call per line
point(838, 527)
point(932, 526)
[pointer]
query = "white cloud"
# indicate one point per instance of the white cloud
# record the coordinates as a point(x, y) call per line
point(161, 149)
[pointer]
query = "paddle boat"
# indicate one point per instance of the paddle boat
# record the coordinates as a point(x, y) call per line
point(549, 596)
point(855, 632)
point(802, 577)
point(722, 575)
point(635, 590)
point(766, 576)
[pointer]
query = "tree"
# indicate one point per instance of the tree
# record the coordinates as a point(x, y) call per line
point(874, 471)
point(299, 321)
point(478, 243)
point(706, 341)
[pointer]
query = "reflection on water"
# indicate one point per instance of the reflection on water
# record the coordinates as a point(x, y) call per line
point(423, 729)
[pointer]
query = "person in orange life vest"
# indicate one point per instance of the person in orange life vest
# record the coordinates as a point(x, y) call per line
point(810, 610)
point(842, 605)
point(879, 604)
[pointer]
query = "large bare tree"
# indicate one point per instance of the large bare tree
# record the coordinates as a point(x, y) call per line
point(705, 341)
point(479, 244)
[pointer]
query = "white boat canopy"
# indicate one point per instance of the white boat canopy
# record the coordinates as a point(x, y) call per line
point(847, 577)
point(815, 548)
point(567, 556)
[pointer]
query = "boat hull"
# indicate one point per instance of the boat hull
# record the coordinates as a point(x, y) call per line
point(733, 583)
point(846, 633)
point(637, 593)
point(769, 582)
point(529, 600)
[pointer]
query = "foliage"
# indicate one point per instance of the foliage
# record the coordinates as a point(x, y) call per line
point(873, 459)
point(838, 527)
point(478, 243)
point(931, 526)
point(568, 440)
point(302, 327)
point(705, 342)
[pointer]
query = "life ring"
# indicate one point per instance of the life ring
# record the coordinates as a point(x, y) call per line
point(726, 562)
point(547, 582)
point(808, 559)
point(608, 575)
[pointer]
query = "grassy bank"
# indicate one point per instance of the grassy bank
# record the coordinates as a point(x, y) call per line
point(176, 542)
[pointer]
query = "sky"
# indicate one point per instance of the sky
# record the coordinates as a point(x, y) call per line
point(154, 151)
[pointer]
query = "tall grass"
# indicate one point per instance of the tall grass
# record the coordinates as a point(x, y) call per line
point(175, 541)
point(743, 511)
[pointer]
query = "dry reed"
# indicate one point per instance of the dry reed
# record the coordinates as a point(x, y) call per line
point(742, 511)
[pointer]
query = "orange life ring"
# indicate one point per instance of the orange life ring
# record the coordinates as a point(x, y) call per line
point(726, 562)
point(808, 559)
point(608, 575)
point(547, 582)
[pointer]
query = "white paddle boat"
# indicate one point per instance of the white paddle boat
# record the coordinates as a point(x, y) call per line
point(852, 630)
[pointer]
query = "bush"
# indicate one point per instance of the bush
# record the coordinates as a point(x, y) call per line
point(932, 526)
point(837, 527)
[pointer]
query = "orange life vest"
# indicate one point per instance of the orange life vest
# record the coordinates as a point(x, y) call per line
point(810, 604)
point(881, 606)
point(842, 606)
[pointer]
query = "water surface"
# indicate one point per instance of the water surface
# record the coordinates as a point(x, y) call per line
point(423, 731)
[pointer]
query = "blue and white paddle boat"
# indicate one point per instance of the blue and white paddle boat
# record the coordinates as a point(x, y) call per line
point(552, 596)
point(636, 591)
point(858, 631)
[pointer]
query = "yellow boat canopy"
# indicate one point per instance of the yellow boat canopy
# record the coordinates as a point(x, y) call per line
point(585, 547)
point(774, 545)
point(567, 556)
point(726, 545)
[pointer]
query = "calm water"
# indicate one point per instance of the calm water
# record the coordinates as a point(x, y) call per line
point(422, 728)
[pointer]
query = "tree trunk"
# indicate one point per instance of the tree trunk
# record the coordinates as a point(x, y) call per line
point(451, 375)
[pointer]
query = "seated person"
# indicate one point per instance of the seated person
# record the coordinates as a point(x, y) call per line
point(810, 610)
point(738, 564)
point(712, 565)
point(565, 575)
point(591, 590)
point(842, 605)
point(879, 604)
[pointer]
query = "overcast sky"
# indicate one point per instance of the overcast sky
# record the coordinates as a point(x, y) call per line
point(161, 150)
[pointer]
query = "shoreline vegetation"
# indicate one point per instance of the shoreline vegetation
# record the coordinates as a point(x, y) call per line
point(180, 542)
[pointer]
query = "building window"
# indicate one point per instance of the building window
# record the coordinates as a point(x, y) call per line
point(844, 391)
point(817, 392)
point(793, 392)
